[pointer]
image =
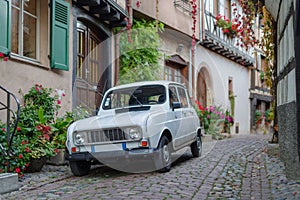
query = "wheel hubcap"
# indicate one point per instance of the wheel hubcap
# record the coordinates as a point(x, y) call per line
point(199, 144)
point(166, 153)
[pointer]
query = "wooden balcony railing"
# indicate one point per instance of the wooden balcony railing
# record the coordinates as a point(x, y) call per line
point(224, 44)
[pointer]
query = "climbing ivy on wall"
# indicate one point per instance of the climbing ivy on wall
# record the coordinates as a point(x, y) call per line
point(140, 56)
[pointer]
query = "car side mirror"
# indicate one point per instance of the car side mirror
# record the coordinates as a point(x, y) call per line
point(176, 105)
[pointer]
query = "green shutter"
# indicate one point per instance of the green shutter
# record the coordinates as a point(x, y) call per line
point(60, 35)
point(5, 23)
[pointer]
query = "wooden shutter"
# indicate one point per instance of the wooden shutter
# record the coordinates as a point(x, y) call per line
point(60, 19)
point(5, 26)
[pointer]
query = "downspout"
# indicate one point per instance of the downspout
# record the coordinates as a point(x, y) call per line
point(192, 57)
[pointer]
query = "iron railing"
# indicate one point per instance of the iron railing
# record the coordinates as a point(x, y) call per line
point(11, 125)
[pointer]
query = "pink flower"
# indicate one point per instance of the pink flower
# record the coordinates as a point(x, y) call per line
point(18, 129)
point(208, 116)
point(5, 59)
point(58, 102)
point(56, 150)
point(1, 55)
point(3, 129)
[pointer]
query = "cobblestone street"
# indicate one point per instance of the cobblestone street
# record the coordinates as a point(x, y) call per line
point(242, 167)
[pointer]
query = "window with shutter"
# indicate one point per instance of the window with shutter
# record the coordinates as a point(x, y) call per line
point(60, 35)
point(5, 22)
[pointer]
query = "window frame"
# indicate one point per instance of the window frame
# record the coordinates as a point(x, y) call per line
point(21, 30)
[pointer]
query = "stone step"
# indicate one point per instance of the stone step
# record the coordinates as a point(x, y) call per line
point(9, 182)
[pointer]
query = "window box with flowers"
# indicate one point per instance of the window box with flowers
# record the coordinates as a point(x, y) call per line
point(228, 27)
point(241, 24)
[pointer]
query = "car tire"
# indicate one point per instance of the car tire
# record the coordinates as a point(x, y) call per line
point(80, 168)
point(196, 147)
point(164, 155)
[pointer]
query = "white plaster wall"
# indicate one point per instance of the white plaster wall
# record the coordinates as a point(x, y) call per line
point(220, 69)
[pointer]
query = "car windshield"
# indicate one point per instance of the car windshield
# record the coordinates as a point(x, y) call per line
point(135, 96)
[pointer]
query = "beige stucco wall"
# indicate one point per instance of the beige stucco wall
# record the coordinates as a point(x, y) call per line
point(169, 15)
point(19, 73)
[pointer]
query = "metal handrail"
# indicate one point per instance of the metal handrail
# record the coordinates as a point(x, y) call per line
point(16, 116)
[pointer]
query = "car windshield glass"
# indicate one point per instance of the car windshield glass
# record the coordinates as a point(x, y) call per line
point(135, 96)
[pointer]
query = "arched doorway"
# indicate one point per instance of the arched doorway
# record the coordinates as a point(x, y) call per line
point(203, 85)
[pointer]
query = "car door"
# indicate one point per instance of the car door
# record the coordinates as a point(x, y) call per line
point(174, 116)
point(187, 125)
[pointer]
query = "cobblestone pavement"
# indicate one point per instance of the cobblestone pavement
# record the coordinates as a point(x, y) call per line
point(243, 167)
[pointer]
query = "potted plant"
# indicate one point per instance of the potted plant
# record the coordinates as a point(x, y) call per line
point(59, 139)
point(258, 118)
point(36, 116)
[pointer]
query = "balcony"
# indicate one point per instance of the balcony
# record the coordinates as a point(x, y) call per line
point(108, 11)
point(217, 41)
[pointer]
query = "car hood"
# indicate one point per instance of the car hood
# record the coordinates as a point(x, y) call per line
point(137, 118)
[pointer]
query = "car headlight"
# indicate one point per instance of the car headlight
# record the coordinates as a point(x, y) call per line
point(134, 133)
point(78, 138)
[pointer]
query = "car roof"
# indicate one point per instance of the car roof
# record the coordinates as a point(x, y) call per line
point(137, 84)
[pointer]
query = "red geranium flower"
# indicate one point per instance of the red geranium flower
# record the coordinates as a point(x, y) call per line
point(18, 170)
point(18, 129)
point(27, 149)
point(20, 156)
point(1, 55)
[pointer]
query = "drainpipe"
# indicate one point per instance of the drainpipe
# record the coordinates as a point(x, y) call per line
point(192, 58)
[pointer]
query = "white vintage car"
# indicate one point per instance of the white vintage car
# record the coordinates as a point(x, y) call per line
point(137, 123)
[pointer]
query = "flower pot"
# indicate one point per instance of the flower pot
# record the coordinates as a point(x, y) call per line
point(58, 159)
point(36, 164)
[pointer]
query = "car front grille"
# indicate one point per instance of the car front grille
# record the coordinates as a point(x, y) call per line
point(105, 136)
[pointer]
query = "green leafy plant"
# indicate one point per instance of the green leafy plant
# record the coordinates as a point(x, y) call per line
point(20, 158)
point(139, 60)
point(60, 130)
point(269, 116)
point(258, 117)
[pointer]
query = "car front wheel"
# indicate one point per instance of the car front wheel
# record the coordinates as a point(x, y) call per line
point(165, 155)
point(80, 168)
point(196, 147)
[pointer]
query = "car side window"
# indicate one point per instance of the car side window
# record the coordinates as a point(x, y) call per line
point(183, 97)
point(172, 95)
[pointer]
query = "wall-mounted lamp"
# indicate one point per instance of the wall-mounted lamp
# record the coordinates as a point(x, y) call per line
point(179, 48)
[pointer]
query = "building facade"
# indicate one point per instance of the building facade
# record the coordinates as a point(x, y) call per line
point(214, 69)
point(227, 72)
point(286, 16)
point(59, 44)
